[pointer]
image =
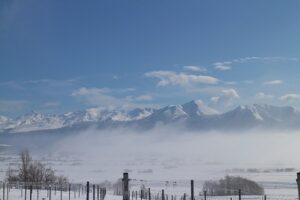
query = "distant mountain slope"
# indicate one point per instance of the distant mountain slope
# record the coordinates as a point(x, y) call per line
point(193, 115)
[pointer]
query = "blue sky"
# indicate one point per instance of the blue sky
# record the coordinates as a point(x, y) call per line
point(64, 55)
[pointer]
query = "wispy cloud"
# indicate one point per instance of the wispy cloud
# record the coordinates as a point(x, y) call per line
point(182, 79)
point(222, 66)
point(262, 95)
point(105, 97)
point(274, 82)
point(194, 68)
point(227, 65)
point(226, 97)
point(51, 82)
point(290, 97)
point(144, 98)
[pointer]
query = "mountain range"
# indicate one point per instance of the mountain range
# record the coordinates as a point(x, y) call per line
point(193, 115)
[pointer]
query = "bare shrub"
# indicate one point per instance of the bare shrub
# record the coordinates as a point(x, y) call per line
point(30, 171)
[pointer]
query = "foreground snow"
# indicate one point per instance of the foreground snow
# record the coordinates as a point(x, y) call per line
point(15, 194)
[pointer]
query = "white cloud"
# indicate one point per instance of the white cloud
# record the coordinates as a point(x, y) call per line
point(51, 104)
point(194, 68)
point(182, 79)
point(230, 83)
point(226, 65)
point(222, 66)
point(262, 95)
point(144, 98)
point(108, 98)
point(274, 82)
point(226, 97)
point(98, 97)
point(290, 97)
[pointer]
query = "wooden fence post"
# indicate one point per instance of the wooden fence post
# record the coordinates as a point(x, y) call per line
point(87, 190)
point(149, 194)
point(94, 192)
point(125, 186)
point(61, 192)
point(298, 183)
point(192, 190)
point(30, 192)
point(162, 195)
point(69, 191)
point(3, 186)
point(25, 191)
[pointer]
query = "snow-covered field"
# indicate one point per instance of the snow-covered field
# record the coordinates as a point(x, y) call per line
point(17, 194)
point(155, 158)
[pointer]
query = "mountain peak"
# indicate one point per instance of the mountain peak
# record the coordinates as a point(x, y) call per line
point(198, 108)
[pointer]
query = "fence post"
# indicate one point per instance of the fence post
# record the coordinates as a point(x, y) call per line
point(25, 191)
point(3, 190)
point(30, 192)
point(149, 191)
point(125, 186)
point(50, 190)
point(162, 195)
point(94, 196)
point(240, 194)
point(184, 196)
point(87, 190)
point(192, 189)
point(298, 183)
point(61, 192)
point(265, 197)
point(204, 194)
point(69, 191)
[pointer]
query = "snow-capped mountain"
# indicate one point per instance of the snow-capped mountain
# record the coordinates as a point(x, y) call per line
point(192, 115)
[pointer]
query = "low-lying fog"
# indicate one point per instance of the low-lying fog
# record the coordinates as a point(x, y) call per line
point(169, 154)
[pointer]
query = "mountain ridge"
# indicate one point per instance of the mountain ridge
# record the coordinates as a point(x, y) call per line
point(193, 115)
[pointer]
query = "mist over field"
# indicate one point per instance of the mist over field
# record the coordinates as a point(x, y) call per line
point(167, 154)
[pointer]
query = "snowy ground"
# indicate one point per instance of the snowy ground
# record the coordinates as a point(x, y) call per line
point(153, 159)
point(15, 194)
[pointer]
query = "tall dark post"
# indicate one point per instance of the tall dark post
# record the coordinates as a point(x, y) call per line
point(265, 197)
point(94, 196)
point(298, 183)
point(50, 193)
point(87, 190)
point(240, 194)
point(25, 191)
point(149, 193)
point(184, 196)
point(192, 190)
point(205, 195)
point(61, 189)
point(30, 192)
point(69, 192)
point(162, 195)
point(3, 191)
point(126, 195)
